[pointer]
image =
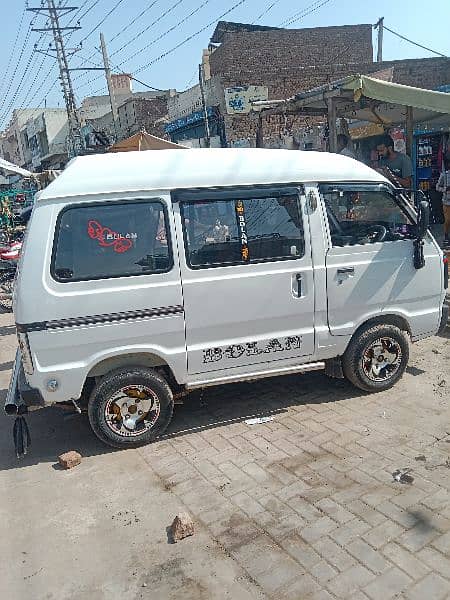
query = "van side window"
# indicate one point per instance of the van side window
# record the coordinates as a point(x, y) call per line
point(365, 216)
point(100, 241)
point(242, 230)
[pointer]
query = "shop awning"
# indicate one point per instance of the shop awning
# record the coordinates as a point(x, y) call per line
point(365, 99)
point(11, 168)
point(395, 93)
point(143, 141)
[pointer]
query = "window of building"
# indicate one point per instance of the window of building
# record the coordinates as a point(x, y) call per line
point(365, 216)
point(101, 241)
point(242, 230)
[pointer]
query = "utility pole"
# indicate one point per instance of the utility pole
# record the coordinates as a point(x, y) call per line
point(379, 25)
point(53, 12)
point(110, 86)
point(205, 110)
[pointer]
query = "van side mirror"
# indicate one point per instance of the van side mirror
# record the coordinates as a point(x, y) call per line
point(423, 219)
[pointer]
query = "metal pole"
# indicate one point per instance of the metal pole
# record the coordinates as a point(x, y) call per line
point(379, 26)
point(332, 133)
point(110, 86)
point(205, 110)
point(66, 82)
point(409, 130)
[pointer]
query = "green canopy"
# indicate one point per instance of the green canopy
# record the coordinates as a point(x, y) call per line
point(395, 93)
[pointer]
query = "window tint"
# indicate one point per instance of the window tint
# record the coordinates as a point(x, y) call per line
point(242, 230)
point(111, 240)
point(365, 217)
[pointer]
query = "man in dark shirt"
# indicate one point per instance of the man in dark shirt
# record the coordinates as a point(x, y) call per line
point(399, 164)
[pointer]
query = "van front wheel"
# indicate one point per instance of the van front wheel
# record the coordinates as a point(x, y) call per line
point(130, 407)
point(376, 358)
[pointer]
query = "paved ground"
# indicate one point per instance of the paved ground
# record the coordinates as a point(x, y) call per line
point(303, 507)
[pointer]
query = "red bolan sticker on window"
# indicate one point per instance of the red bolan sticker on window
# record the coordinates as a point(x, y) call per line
point(106, 237)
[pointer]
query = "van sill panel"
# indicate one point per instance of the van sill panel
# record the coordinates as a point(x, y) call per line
point(315, 366)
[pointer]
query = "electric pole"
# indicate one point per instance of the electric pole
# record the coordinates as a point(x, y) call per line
point(379, 25)
point(110, 86)
point(53, 12)
point(205, 109)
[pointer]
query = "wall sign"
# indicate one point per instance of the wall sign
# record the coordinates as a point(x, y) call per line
point(238, 100)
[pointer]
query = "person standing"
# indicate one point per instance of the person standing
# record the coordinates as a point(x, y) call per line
point(342, 146)
point(443, 185)
point(399, 167)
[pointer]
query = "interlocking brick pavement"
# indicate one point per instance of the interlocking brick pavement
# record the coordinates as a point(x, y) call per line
point(306, 503)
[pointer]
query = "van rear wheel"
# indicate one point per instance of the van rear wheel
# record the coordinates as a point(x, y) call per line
point(376, 358)
point(130, 407)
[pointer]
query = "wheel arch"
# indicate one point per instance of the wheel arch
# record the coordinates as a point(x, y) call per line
point(383, 319)
point(131, 359)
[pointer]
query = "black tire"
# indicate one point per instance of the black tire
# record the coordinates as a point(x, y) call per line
point(113, 385)
point(356, 365)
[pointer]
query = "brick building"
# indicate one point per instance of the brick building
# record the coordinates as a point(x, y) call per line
point(247, 62)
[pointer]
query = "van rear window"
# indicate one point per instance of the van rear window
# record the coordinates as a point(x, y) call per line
point(100, 241)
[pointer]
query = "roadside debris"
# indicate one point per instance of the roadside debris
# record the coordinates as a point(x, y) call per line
point(401, 475)
point(258, 420)
point(68, 460)
point(182, 526)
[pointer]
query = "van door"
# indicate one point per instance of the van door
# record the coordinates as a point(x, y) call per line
point(370, 266)
point(247, 277)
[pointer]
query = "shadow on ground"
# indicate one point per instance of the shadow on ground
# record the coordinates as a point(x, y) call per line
point(55, 430)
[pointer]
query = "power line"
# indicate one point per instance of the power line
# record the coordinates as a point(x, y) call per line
point(13, 48)
point(117, 4)
point(169, 10)
point(304, 12)
point(115, 37)
point(264, 13)
point(141, 14)
point(185, 41)
point(117, 67)
point(190, 37)
point(414, 43)
point(186, 18)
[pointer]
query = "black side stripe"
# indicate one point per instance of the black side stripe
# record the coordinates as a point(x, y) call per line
point(100, 319)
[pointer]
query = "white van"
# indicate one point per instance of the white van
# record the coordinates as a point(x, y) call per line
point(149, 274)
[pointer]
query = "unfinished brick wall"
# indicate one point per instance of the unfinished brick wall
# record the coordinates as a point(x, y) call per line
point(138, 113)
point(286, 61)
point(282, 52)
point(428, 73)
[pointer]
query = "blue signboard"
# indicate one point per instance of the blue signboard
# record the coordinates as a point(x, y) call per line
point(194, 117)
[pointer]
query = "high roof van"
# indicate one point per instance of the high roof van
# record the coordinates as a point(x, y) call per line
point(145, 275)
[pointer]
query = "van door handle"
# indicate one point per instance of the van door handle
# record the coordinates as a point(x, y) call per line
point(346, 271)
point(298, 279)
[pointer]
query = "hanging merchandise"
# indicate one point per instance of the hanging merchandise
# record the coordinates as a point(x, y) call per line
point(430, 149)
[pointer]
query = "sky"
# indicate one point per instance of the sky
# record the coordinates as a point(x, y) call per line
point(161, 41)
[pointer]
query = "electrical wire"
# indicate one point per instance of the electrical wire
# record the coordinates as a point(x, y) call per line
point(304, 12)
point(5, 73)
point(116, 5)
point(402, 37)
point(169, 10)
point(264, 13)
point(154, 41)
point(186, 18)
point(190, 37)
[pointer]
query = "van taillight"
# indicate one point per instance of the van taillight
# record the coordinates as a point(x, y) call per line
point(445, 272)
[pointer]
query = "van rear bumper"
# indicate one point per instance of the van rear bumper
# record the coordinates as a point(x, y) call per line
point(20, 394)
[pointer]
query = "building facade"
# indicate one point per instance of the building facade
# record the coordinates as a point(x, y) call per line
point(247, 62)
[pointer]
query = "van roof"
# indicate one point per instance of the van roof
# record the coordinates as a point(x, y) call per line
point(193, 168)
